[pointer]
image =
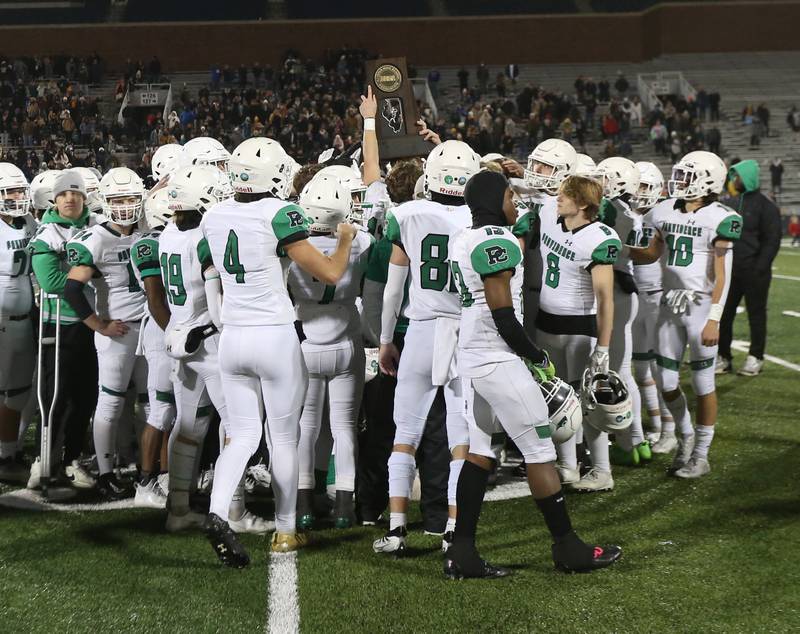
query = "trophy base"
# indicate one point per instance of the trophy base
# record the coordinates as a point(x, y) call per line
point(404, 147)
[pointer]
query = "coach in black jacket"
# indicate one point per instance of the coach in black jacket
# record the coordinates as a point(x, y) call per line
point(752, 266)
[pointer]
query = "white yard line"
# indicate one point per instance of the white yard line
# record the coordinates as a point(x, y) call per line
point(791, 313)
point(283, 612)
point(786, 277)
point(34, 501)
point(744, 346)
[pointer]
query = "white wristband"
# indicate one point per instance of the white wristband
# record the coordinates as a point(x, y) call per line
point(602, 349)
point(715, 314)
point(369, 124)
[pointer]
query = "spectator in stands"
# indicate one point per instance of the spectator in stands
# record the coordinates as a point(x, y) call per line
point(433, 82)
point(512, 72)
point(701, 101)
point(714, 140)
point(580, 86)
point(763, 115)
point(603, 91)
point(482, 74)
point(752, 266)
point(675, 149)
point(776, 175)
point(463, 79)
point(500, 85)
point(793, 119)
point(591, 106)
point(713, 105)
point(621, 84)
point(636, 111)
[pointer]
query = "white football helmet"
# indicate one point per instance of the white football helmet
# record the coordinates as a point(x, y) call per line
point(585, 166)
point(13, 180)
point(198, 188)
point(158, 209)
point(619, 176)
point(696, 175)
point(492, 156)
point(182, 341)
point(166, 159)
point(564, 408)
point(42, 190)
point(555, 153)
point(419, 188)
point(93, 199)
point(350, 177)
point(204, 150)
point(448, 168)
point(651, 184)
point(261, 166)
point(327, 202)
point(606, 401)
point(122, 193)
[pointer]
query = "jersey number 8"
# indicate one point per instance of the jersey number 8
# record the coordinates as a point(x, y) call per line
point(435, 270)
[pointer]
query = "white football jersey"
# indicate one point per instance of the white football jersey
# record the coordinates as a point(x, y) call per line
point(183, 256)
point(567, 260)
point(16, 293)
point(627, 224)
point(117, 293)
point(423, 229)
point(689, 238)
point(328, 312)
point(246, 242)
point(648, 276)
point(477, 252)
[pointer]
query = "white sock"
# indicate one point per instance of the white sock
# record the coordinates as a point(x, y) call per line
point(650, 397)
point(228, 472)
point(181, 473)
point(402, 467)
point(567, 453)
point(396, 520)
point(8, 449)
point(680, 414)
point(104, 429)
point(704, 434)
point(451, 525)
point(598, 445)
point(452, 481)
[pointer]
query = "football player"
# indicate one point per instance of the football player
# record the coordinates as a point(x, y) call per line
point(648, 282)
point(166, 160)
point(332, 348)
point(252, 238)
point(17, 227)
point(620, 178)
point(101, 255)
point(576, 310)
point(204, 150)
point(420, 231)
point(699, 233)
point(500, 361)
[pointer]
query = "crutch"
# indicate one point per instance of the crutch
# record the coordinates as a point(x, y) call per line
point(47, 413)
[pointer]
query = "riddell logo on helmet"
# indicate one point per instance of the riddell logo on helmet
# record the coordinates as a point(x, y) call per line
point(451, 192)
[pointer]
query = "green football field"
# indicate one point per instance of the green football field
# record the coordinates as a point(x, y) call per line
point(721, 554)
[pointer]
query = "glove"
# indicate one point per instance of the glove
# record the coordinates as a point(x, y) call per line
point(678, 300)
point(541, 372)
point(598, 362)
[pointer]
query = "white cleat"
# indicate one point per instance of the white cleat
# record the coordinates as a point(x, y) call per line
point(751, 367)
point(652, 437)
point(722, 365)
point(567, 474)
point(150, 496)
point(36, 473)
point(594, 481)
point(666, 443)
point(252, 524)
point(79, 477)
point(163, 482)
point(682, 454)
point(393, 541)
point(695, 468)
point(188, 521)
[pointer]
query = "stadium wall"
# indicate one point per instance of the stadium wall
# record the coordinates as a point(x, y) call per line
point(664, 29)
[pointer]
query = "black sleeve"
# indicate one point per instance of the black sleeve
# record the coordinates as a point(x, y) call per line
point(73, 293)
point(769, 240)
point(515, 336)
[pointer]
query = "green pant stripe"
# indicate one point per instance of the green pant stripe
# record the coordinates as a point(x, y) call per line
point(701, 364)
point(205, 410)
point(108, 390)
point(543, 431)
point(668, 364)
point(643, 356)
point(165, 397)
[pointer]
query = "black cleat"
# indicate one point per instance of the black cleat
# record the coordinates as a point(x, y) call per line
point(225, 542)
point(111, 489)
point(571, 554)
point(468, 565)
point(447, 541)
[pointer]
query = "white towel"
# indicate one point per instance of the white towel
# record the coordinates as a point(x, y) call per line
point(140, 344)
point(445, 340)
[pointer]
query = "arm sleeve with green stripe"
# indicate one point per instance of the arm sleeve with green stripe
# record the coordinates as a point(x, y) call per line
point(79, 255)
point(730, 228)
point(290, 224)
point(495, 255)
point(607, 251)
point(144, 255)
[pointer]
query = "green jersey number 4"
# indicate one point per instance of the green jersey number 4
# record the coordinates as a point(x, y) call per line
point(230, 260)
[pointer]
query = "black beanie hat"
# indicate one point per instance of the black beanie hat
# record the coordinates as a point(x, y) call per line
point(484, 195)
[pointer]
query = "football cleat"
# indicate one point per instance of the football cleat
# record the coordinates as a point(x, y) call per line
point(150, 496)
point(571, 554)
point(305, 509)
point(594, 480)
point(78, 476)
point(188, 521)
point(652, 437)
point(111, 489)
point(752, 366)
point(288, 542)
point(35, 474)
point(682, 454)
point(666, 443)
point(723, 365)
point(644, 451)
point(619, 456)
point(12, 470)
point(694, 468)
point(252, 524)
point(163, 482)
point(469, 565)
point(447, 541)
point(394, 542)
point(343, 511)
point(224, 542)
point(567, 474)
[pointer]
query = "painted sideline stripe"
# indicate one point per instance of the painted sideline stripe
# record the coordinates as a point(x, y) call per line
point(744, 346)
point(791, 313)
point(786, 277)
point(283, 611)
point(29, 500)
